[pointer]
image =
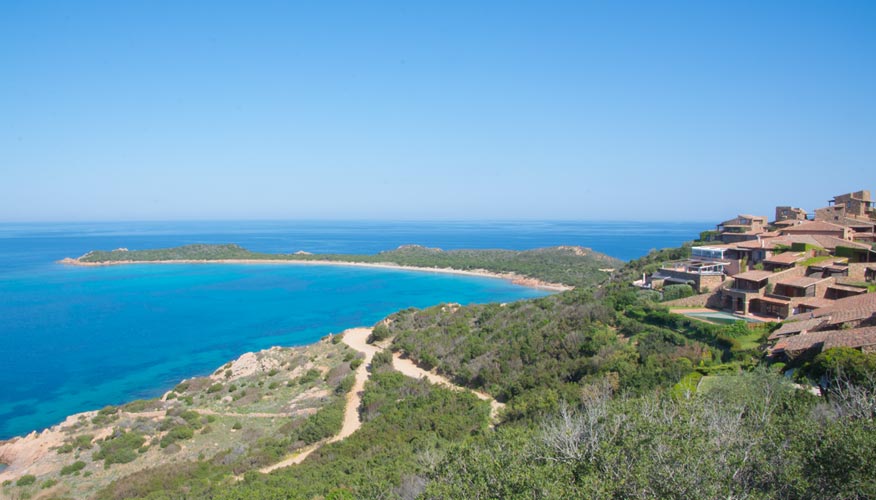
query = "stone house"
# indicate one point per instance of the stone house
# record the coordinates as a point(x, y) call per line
point(742, 228)
point(784, 214)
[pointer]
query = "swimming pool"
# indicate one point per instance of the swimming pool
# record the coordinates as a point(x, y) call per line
point(720, 317)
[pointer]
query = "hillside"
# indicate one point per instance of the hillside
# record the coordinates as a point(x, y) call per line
point(250, 412)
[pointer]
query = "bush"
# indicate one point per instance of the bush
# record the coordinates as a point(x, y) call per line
point(673, 292)
point(382, 358)
point(311, 375)
point(324, 423)
point(74, 467)
point(178, 433)
point(26, 480)
point(214, 388)
point(48, 484)
point(346, 384)
point(380, 332)
point(83, 442)
point(237, 426)
point(120, 448)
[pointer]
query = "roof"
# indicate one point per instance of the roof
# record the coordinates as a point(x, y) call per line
point(787, 222)
point(738, 220)
point(855, 337)
point(848, 288)
point(854, 308)
point(819, 226)
point(818, 240)
point(754, 275)
point(795, 327)
point(785, 258)
point(771, 300)
point(802, 342)
point(800, 282)
point(816, 302)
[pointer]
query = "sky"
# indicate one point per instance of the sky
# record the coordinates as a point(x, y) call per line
point(463, 110)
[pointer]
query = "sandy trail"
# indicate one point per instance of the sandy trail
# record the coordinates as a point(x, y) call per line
point(357, 339)
point(407, 367)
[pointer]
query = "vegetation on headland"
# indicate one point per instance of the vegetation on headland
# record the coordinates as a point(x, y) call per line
point(249, 413)
point(609, 395)
point(573, 266)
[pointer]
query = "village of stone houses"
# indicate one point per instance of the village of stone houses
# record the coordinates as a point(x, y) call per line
point(814, 273)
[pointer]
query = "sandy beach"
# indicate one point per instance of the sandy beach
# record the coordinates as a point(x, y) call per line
point(512, 277)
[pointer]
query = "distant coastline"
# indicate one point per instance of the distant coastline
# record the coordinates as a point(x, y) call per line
point(514, 278)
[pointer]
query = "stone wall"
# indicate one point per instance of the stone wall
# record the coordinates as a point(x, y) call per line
point(692, 301)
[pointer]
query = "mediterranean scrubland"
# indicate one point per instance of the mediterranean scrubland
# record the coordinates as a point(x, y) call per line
point(607, 394)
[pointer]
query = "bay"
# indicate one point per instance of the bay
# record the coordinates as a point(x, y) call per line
point(74, 339)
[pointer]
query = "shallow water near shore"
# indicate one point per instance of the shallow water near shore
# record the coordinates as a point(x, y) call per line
point(74, 339)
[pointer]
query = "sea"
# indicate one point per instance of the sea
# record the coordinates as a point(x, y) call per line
point(74, 339)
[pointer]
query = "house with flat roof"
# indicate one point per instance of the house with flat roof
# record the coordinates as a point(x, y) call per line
point(741, 228)
point(789, 214)
point(858, 205)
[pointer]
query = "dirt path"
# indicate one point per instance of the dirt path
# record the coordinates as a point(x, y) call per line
point(407, 367)
point(357, 338)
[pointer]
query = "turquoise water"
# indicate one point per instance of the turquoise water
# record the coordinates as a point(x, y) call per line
point(721, 317)
point(77, 339)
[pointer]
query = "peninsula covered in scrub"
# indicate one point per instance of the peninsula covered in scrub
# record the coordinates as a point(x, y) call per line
point(557, 267)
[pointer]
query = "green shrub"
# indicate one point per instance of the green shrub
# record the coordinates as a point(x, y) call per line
point(346, 384)
point(178, 433)
point(324, 423)
point(142, 405)
point(83, 441)
point(237, 426)
point(380, 332)
point(48, 484)
point(106, 415)
point(120, 448)
point(74, 467)
point(311, 375)
point(214, 388)
point(26, 480)
point(356, 363)
point(192, 418)
point(673, 292)
point(382, 358)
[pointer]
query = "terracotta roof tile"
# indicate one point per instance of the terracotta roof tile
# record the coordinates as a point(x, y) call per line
point(754, 275)
point(856, 337)
point(785, 258)
point(813, 226)
point(795, 327)
point(801, 282)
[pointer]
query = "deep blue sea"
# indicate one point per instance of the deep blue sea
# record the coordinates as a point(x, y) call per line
point(74, 339)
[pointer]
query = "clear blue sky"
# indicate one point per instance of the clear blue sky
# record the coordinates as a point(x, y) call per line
point(443, 110)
